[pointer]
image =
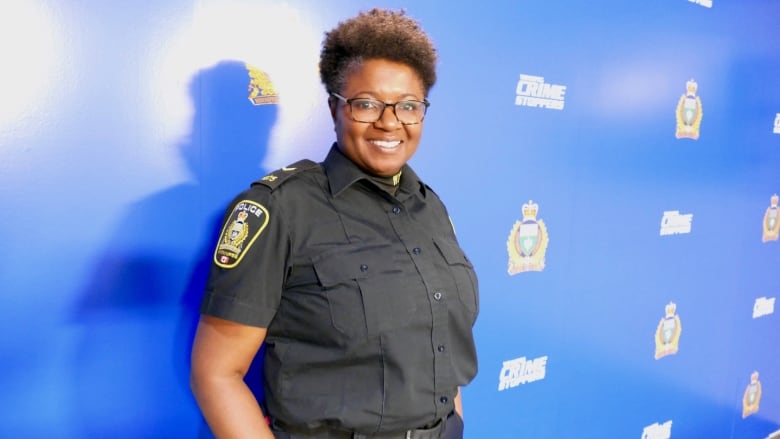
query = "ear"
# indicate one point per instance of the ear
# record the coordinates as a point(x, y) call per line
point(333, 104)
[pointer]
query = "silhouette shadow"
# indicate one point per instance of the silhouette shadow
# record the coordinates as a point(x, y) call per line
point(138, 313)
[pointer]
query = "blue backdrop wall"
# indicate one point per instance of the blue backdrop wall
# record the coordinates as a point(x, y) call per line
point(611, 169)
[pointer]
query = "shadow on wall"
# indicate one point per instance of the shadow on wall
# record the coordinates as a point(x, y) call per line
point(137, 315)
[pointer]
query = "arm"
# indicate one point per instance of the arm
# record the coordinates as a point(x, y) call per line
point(458, 404)
point(221, 355)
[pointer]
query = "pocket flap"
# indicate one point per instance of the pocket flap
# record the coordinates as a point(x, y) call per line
point(347, 263)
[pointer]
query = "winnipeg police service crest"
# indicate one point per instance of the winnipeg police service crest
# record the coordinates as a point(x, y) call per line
point(689, 113)
point(240, 231)
point(261, 89)
point(752, 396)
point(772, 221)
point(667, 335)
point(527, 242)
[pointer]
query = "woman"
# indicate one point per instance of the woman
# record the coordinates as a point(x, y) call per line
point(348, 270)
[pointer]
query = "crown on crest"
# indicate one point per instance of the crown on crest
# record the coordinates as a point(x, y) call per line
point(671, 308)
point(754, 377)
point(691, 86)
point(775, 200)
point(529, 210)
point(242, 216)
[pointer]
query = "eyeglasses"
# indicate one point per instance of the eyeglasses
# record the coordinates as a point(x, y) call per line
point(367, 110)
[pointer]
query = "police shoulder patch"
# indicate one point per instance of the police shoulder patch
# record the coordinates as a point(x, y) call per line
point(276, 178)
point(241, 229)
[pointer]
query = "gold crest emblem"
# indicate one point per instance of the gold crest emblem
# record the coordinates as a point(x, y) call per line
point(667, 335)
point(689, 113)
point(527, 243)
point(239, 233)
point(772, 221)
point(261, 89)
point(752, 396)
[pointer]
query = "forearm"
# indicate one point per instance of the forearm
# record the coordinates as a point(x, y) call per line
point(230, 408)
point(458, 404)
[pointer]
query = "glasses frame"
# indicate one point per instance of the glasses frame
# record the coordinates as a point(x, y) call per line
point(392, 105)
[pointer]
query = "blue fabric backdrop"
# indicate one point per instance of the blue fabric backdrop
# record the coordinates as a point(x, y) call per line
point(125, 128)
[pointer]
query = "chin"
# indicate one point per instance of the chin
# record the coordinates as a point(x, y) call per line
point(385, 171)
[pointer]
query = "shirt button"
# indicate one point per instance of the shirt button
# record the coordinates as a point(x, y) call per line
point(443, 400)
point(437, 295)
point(396, 210)
point(416, 250)
point(440, 348)
point(363, 267)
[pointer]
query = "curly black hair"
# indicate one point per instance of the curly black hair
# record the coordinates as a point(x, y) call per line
point(376, 34)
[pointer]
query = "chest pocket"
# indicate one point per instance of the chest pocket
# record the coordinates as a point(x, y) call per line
point(462, 273)
point(368, 289)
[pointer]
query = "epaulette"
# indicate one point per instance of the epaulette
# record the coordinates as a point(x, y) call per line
point(276, 178)
point(428, 188)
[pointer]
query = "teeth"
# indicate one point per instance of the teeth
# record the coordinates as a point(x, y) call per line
point(385, 144)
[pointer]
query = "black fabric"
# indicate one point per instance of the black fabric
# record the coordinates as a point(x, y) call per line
point(450, 428)
point(368, 299)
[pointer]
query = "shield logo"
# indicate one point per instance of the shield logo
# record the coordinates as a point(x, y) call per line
point(771, 223)
point(527, 243)
point(667, 334)
point(752, 393)
point(528, 238)
point(688, 113)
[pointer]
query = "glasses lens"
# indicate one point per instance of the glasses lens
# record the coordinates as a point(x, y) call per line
point(410, 112)
point(367, 110)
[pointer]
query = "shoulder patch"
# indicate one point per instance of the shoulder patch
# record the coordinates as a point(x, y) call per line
point(240, 231)
point(276, 178)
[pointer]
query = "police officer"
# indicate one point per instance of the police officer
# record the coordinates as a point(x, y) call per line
point(348, 270)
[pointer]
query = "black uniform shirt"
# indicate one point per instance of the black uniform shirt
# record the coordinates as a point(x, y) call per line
point(368, 299)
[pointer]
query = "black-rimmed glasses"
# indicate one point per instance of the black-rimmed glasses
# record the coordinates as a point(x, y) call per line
point(368, 110)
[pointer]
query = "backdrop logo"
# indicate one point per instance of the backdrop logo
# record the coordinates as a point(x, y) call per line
point(777, 124)
point(771, 220)
point(752, 396)
point(261, 89)
point(527, 243)
point(705, 3)
point(532, 91)
point(658, 431)
point(667, 335)
point(521, 371)
point(763, 307)
point(674, 223)
point(689, 113)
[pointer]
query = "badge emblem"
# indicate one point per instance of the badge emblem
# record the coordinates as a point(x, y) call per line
point(240, 231)
point(772, 221)
point(689, 113)
point(527, 242)
point(261, 89)
point(667, 335)
point(752, 396)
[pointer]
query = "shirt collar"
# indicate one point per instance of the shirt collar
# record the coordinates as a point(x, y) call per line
point(343, 172)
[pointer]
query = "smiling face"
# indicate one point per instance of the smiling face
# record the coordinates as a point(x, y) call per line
point(380, 148)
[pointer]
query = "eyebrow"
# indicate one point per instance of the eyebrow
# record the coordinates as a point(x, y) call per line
point(403, 97)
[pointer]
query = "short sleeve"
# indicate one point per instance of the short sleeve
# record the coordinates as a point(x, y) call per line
point(248, 261)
